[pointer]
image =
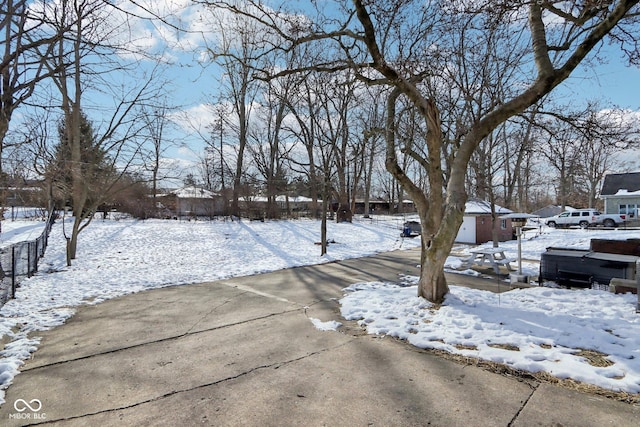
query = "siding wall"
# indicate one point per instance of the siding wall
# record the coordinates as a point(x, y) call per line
point(612, 203)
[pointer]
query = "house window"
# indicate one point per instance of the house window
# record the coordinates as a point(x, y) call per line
point(629, 209)
point(503, 224)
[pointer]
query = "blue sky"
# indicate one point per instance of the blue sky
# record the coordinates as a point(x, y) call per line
point(614, 82)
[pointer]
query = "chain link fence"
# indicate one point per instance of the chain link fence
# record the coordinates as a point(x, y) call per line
point(20, 260)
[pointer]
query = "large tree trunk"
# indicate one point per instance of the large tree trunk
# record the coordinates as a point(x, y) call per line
point(438, 236)
point(432, 284)
point(441, 212)
point(439, 225)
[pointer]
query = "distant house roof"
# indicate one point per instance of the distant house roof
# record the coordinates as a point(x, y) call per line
point(294, 199)
point(282, 199)
point(477, 206)
point(193, 192)
point(549, 210)
point(620, 184)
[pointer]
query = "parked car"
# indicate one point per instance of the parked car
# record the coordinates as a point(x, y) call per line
point(585, 218)
point(611, 220)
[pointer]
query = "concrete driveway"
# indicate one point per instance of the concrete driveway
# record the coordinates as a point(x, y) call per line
point(243, 352)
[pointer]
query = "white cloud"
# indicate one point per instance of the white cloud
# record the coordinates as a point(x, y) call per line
point(196, 119)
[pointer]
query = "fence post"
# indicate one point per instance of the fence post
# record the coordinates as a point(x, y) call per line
point(32, 256)
point(29, 259)
point(638, 285)
point(13, 272)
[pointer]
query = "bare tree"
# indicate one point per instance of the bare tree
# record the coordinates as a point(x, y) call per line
point(304, 108)
point(338, 101)
point(27, 42)
point(86, 57)
point(605, 133)
point(216, 147)
point(156, 121)
point(372, 141)
point(518, 150)
point(579, 145)
point(216, 167)
point(373, 133)
point(406, 45)
point(270, 147)
point(238, 52)
point(326, 152)
point(317, 128)
point(562, 147)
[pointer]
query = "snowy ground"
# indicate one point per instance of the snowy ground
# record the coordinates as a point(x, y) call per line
point(20, 225)
point(534, 329)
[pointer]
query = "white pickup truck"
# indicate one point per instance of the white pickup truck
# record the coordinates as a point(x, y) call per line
point(585, 218)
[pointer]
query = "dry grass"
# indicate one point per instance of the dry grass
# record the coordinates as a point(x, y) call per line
point(588, 388)
point(466, 347)
point(532, 378)
point(595, 358)
point(509, 347)
point(538, 377)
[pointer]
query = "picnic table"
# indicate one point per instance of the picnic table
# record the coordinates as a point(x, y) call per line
point(494, 257)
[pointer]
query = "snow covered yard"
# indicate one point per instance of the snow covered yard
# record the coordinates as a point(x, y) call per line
point(21, 225)
point(538, 329)
point(116, 258)
point(586, 335)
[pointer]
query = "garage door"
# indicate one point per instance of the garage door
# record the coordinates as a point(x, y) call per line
point(467, 232)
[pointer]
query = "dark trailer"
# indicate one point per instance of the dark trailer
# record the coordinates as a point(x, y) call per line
point(580, 267)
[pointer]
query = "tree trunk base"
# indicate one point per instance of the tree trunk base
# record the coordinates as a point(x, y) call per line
point(432, 285)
